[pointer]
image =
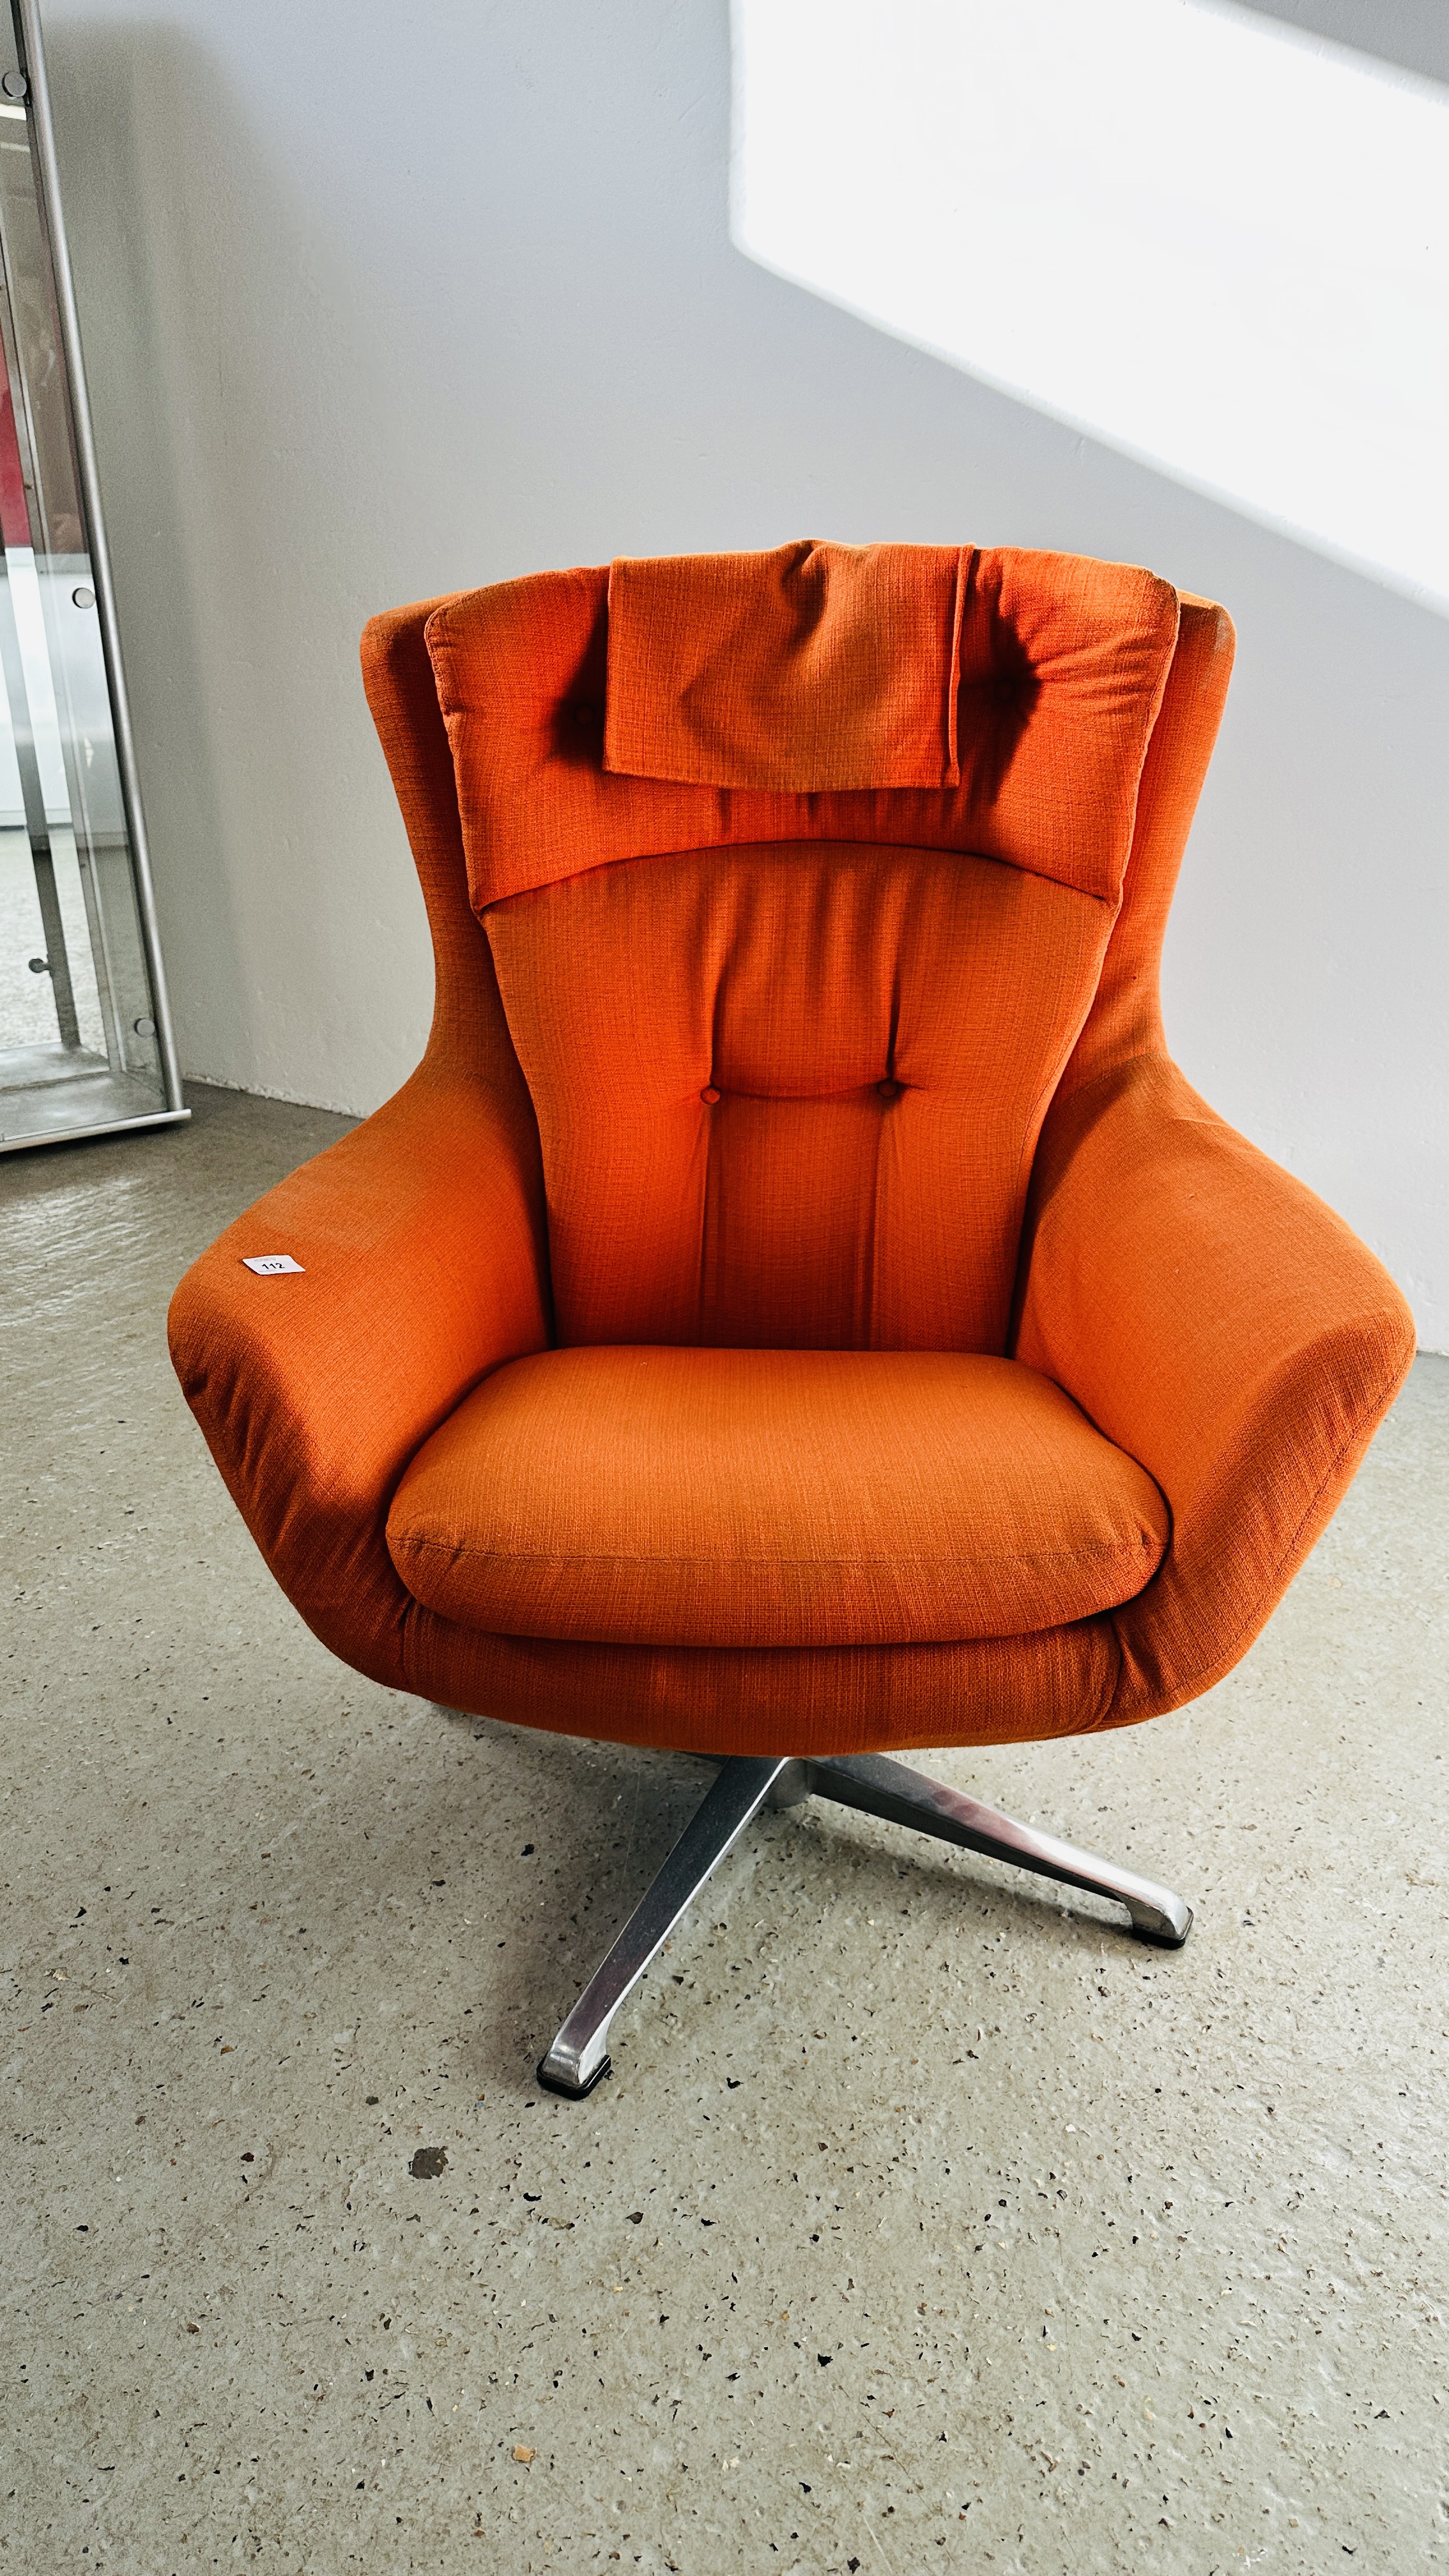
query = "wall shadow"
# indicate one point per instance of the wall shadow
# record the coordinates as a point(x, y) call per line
point(1414, 34)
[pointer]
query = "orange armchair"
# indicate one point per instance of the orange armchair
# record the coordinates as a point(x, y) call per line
point(796, 1311)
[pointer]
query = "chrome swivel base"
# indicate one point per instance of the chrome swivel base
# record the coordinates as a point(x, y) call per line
point(579, 2056)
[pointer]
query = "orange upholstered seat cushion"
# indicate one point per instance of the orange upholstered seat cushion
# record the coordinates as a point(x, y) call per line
point(650, 1495)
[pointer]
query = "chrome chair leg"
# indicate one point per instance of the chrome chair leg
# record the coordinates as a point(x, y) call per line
point(579, 2056)
point(881, 1787)
point(744, 1784)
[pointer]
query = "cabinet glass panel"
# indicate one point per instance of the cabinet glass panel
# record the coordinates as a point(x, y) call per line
point(85, 1038)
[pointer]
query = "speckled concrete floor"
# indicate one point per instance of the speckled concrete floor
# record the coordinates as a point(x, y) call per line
point(924, 2213)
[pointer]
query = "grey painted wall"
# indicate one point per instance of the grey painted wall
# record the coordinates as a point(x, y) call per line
point(378, 303)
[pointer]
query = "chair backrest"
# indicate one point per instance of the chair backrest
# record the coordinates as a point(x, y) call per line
point(808, 881)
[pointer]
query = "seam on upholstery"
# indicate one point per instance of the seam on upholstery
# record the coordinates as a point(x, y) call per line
point(1249, 1627)
point(801, 840)
point(1155, 1053)
point(489, 1369)
point(864, 1564)
point(841, 1091)
point(868, 1235)
point(1049, 1094)
point(1044, 1103)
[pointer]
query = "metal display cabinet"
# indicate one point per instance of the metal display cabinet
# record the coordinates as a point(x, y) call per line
point(86, 1044)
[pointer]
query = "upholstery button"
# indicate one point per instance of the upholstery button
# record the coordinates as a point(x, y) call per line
point(583, 713)
point(888, 1089)
point(709, 1095)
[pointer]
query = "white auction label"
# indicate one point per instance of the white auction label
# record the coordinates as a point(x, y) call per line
point(268, 1264)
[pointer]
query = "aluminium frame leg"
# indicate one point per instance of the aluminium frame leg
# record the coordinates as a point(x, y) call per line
point(891, 1789)
point(579, 2056)
point(873, 1782)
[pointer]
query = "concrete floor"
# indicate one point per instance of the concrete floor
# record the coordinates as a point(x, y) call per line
point(923, 2213)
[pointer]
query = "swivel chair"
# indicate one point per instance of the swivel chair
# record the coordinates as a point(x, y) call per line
point(797, 1311)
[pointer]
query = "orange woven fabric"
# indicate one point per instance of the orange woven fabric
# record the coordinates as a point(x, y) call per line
point(1062, 668)
point(1210, 1318)
point(1223, 1326)
point(1126, 1015)
point(812, 667)
point(790, 1095)
point(771, 1699)
point(771, 1498)
point(421, 1239)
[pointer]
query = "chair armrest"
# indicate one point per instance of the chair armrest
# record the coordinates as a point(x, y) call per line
point(1226, 1329)
point(419, 1238)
